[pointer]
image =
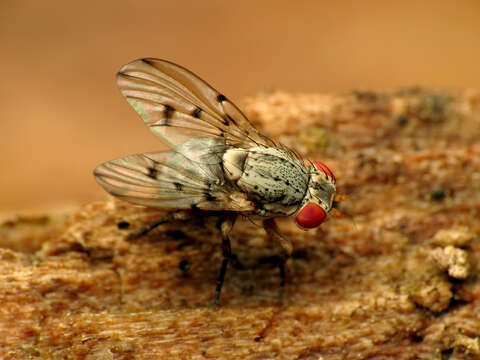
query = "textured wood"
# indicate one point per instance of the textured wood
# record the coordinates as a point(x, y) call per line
point(396, 278)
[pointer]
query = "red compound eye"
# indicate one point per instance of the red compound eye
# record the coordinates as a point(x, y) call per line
point(310, 216)
point(321, 166)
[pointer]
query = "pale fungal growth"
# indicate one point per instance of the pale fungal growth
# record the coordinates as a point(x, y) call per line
point(457, 236)
point(452, 259)
point(448, 254)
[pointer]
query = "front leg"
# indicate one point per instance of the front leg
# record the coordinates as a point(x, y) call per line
point(273, 232)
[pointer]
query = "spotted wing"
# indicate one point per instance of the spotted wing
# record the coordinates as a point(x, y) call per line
point(173, 180)
point(178, 105)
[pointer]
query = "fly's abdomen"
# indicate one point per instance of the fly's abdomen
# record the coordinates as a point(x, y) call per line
point(271, 175)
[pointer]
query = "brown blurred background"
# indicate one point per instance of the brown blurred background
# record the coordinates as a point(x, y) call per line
point(61, 114)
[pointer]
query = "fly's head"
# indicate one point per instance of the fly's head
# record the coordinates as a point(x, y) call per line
point(319, 197)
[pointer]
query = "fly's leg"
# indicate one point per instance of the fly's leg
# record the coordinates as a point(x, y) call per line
point(225, 225)
point(274, 234)
point(135, 234)
point(173, 216)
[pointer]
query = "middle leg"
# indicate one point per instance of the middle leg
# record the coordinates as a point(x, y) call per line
point(225, 225)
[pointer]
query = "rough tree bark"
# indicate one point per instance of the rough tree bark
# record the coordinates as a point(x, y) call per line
point(396, 278)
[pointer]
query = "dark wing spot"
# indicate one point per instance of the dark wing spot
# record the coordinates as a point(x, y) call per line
point(256, 187)
point(178, 186)
point(209, 196)
point(194, 207)
point(233, 121)
point(225, 122)
point(147, 61)
point(152, 173)
point(167, 112)
point(196, 113)
point(277, 179)
point(221, 97)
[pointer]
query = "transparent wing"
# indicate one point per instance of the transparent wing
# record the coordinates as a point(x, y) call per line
point(178, 105)
point(170, 180)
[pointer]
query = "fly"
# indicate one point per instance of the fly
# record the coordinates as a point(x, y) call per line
point(217, 161)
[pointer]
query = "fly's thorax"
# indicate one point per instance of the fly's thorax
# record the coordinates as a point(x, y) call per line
point(272, 177)
point(319, 197)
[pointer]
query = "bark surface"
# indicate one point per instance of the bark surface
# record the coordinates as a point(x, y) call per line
point(397, 277)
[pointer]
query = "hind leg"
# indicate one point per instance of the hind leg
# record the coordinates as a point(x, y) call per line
point(224, 224)
point(170, 217)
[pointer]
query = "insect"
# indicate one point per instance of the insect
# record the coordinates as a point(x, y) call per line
point(217, 161)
